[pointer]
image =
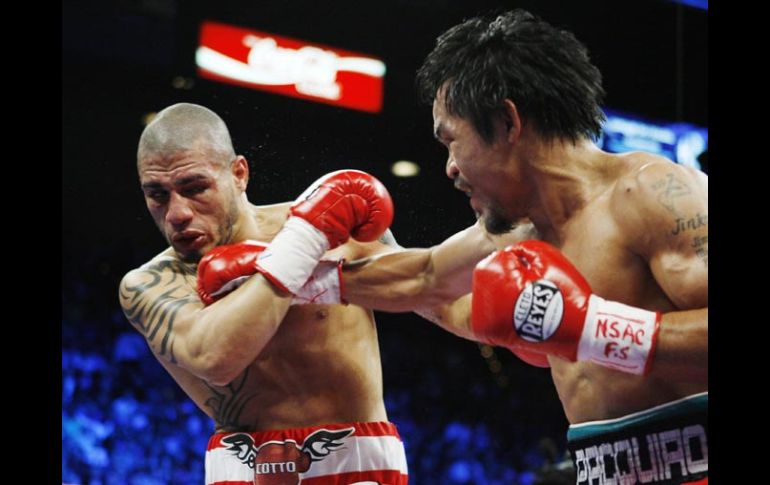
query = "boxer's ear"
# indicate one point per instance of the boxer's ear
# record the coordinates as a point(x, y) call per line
point(512, 121)
point(240, 170)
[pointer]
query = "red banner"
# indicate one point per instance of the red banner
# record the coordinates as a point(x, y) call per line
point(291, 67)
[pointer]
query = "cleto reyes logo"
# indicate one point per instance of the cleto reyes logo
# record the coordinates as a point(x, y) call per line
point(281, 462)
point(538, 311)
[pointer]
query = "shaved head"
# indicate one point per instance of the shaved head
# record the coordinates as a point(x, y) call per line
point(186, 126)
point(193, 183)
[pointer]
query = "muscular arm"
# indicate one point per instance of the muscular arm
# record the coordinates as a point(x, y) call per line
point(664, 211)
point(214, 343)
point(454, 317)
point(682, 350)
point(433, 282)
point(401, 280)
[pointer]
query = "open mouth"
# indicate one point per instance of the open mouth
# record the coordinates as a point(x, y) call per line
point(189, 240)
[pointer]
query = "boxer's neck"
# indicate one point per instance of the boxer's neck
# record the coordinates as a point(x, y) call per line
point(567, 176)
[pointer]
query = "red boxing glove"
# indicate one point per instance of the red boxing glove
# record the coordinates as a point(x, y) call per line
point(346, 203)
point(336, 206)
point(532, 358)
point(225, 268)
point(529, 296)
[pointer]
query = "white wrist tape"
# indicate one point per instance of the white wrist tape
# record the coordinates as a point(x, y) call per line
point(324, 287)
point(289, 260)
point(618, 336)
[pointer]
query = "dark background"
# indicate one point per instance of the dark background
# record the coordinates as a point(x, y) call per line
point(119, 60)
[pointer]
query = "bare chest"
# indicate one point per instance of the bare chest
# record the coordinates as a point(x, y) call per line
point(599, 250)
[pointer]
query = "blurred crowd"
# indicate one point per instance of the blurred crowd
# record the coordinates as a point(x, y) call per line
point(467, 414)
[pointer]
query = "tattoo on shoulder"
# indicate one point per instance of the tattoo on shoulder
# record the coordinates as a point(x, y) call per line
point(701, 247)
point(670, 189)
point(153, 313)
point(690, 224)
point(173, 266)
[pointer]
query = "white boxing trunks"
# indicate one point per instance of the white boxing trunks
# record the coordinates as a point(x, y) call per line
point(334, 454)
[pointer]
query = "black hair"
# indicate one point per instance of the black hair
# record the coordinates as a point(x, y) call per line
point(545, 71)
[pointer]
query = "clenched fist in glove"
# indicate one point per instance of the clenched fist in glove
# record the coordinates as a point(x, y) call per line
point(530, 297)
point(346, 203)
point(225, 268)
point(337, 206)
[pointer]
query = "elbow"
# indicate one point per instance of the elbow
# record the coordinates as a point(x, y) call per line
point(220, 373)
point(222, 365)
point(217, 368)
